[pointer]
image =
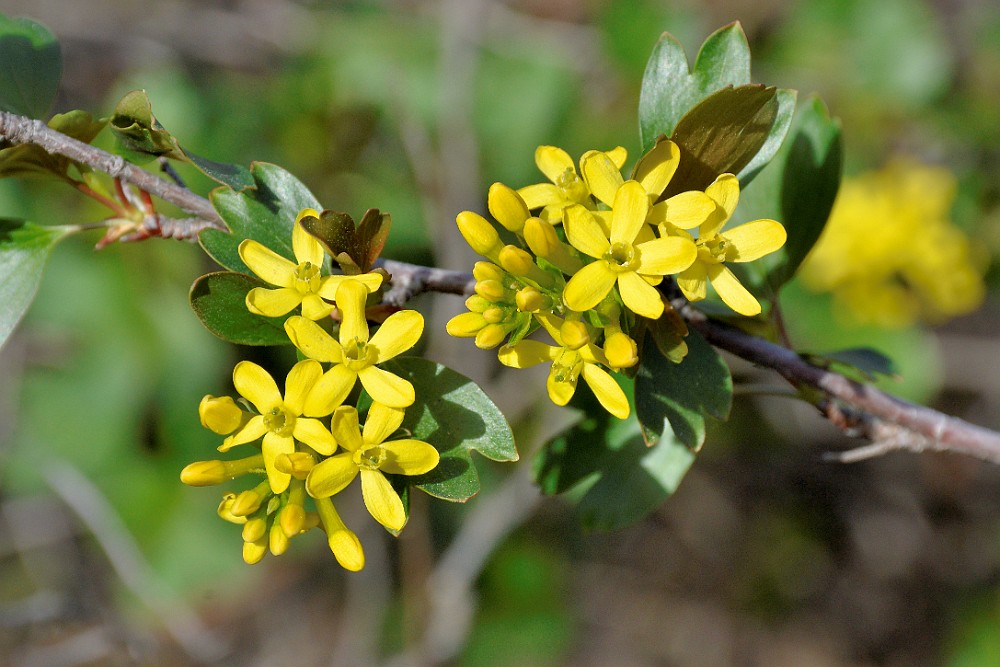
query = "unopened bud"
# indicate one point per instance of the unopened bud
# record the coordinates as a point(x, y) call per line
point(253, 552)
point(479, 234)
point(247, 502)
point(296, 464)
point(291, 519)
point(494, 315)
point(478, 304)
point(465, 325)
point(277, 540)
point(542, 239)
point(522, 264)
point(254, 529)
point(491, 290)
point(529, 299)
point(507, 207)
point(574, 334)
point(621, 350)
point(490, 336)
point(487, 271)
point(225, 510)
point(205, 473)
point(220, 414)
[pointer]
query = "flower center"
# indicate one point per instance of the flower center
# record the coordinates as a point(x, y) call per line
point(279, 420)
point(357, 354)
point(572, 186)
point(567, 366)
point(713, 249)
point(307, 278)
point(620, 257)
point(369, 458)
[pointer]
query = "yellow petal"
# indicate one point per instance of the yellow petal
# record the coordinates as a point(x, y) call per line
point(409, 457)
point(639, 296)
point(693, 281)
point(329, 391)
point(331, 476)
point(465, 325)
point(346, 428)
point(629, 212)
point(256, 385)
point(601, 175)
point(725, 191)
point(553, 162)
point(272, 302)
point(381, 422)
point(540, 194)
point(665, 256)
point(560, 391)
point(686, 210)
point(329, 284)
point(251, 431)
point(382, 501)
point(732, 292)
point(299, 383)
point(589, 286)
point(584, 232)
point(220, 414)
point(607, 391)
point(269, 265)
point(398, 333)
point(507, 207)
point(304, 245)
point(754, 239)
point(351, 297)
point(657, 167)
point(315, 308)
point(272, 446)
point(618, 155)
point(313, 341)
point(387, 388)
point(527, 353)
point(553, 324)
point(313, 433)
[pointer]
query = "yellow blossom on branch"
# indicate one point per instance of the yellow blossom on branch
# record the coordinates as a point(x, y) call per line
point(566, 187)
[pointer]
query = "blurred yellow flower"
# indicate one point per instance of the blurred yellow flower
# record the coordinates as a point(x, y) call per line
point(890, 254)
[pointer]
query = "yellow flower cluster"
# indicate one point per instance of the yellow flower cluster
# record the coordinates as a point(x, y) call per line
point(310, 445)
point(889, 253)
point(587, 251)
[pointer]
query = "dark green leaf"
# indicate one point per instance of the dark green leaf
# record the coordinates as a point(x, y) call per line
point(236, 176)
point(865, 362)
point(30, 67)
point(775, 138)
point(24, 249)
point(670, 88)
point(219, 301)
point(140, 137)
point(30, 160)
point(453, 414)
point(265, 213)
point(676, 398)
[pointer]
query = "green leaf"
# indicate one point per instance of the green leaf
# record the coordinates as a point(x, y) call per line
point(676, 398)
point(355, 247)
point(139, 136)
point(30, 67)
point(30, 160)
point(24, 249)
point(265, 213)
point(219, 301)
point(236, 176)
point(670, 88)
point(455, 415)
point(864, 362)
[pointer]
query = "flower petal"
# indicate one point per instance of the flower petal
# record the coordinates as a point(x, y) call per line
point(313, 341)
point(351, 297)
point(409, 457)
point(304, 245)
point(584, 232)
point(725, 191)
point(693, 281)
point(639, 296)
point(273, 446)
point(657, 167)
point(607, 391)
point(269, 265)
point(387, 388)
point(665, 256)
point(382, 501)
point(628, 215)
point(560, 391)
point(331, 476)
point(553, 162)
point(252, 430)
point(381, 422)
point(272, 302)
point(601, 175)
point(541, 194)
point(732, 292)
point(346, 428)
point(618, 155)
point(328, 285)
point(398, 333)
point(527, 353)
point(755, 239)
point(686, 210)
point(329, 391)
point(313, 433)
point(220, 414)
point(589, 286)
point(315, 308)
point(299, 382)
point(256, 385)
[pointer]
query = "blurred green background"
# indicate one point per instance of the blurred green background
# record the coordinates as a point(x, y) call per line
point(767, 555)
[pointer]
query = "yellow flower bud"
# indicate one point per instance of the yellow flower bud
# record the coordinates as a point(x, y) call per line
point(621, 350)
point(277, 540)
point(344, 544)
point(296, 464)
point(253, 552)
point(529, 299)
point(542, 239)
point(574, 334)
point(494, 315)
point(254, 529)
point(248, 502)
point(291, 519)
point(507, 207)
point(490, 336)
point(465, 325)
point(488, 271)
point(477, 304)
point(479, 234)
point(220, 414)
point(491, 290)
point(225, 510)
point(522, 264)
point(205, 473)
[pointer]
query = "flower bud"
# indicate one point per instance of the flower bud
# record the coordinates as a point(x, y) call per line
point(205, 473)
point(522, 264)
point(254, 529)
point(477, 304)
point(296, 464)
point(465, 325)
point(490, 336)
point(249, 501)
point(574, 334)
point(479, 234)
point(507, 207)
point(529, 299)
point(225, 510)
point(494, 315)
point(542, 239)
point(277, 540)
point(488, 271)
point(491, 290)
point(253, 552)
point(291, 519)
point(344, 544)
point(220, 414)
point(621, 350)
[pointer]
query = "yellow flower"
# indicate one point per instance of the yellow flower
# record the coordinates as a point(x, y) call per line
point(344, 544)
point(572, 356)
point(743, 243)
point(889, 252)
point(623, 257)
point(281, 421)
point(565, 188)
point(298, 283)
point(368, 453)
point(354, 356)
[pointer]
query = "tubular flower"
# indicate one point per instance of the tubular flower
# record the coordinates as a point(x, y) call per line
point(623, 258)
point(281, 421)
point(565, 188)
point(299, 282)
point(354, 356)
point(370, 455)
point(743, 243)
point(572, 356)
